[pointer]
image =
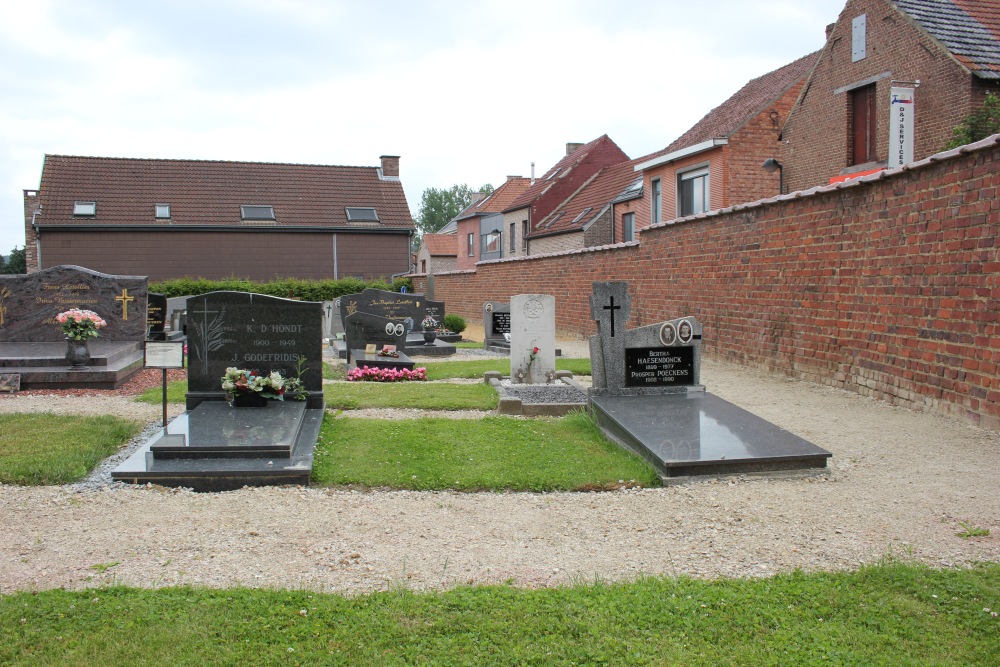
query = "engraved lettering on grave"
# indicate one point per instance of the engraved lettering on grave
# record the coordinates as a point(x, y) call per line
point(4, 293)
point(659, 366)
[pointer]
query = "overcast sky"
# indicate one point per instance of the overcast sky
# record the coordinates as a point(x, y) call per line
point(465, 91)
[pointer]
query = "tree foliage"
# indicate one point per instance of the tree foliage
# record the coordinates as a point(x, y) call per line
point(439, 205)
point(979, 124)
point(14, 263)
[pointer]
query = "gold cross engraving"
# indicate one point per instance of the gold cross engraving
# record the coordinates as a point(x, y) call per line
point(124, 298)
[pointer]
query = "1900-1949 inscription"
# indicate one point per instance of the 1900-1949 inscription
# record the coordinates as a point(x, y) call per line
point(659, 366)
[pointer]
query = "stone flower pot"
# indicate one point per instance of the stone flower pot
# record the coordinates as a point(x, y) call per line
point(77, 353)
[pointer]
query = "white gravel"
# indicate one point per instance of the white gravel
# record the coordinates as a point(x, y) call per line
point(900, 483)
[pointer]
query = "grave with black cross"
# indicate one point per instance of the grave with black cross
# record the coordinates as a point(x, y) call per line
point(647, 396)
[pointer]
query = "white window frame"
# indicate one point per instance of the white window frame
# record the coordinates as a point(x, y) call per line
point(655, 201)
point(690, 174)
point(628, 227)
point(85, 208)
point(161, 211)
point(245, 207)
point(472, 244)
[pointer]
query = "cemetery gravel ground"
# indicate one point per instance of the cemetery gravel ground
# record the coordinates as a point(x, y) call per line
point(899, 484)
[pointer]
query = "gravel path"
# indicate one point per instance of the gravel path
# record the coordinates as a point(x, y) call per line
point(900, 483)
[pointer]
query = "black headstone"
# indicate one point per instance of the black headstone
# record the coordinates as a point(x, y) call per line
point(156, 316)
point(255, 332)
point(29, 303)
point(496, 323)
point(410, 309)
point(362, 329)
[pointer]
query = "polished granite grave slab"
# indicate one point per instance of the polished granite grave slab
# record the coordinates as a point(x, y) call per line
point(216, 430)
point(701, 434)
point(415, 347)
point(43, 365)
point(363, 359)
point(251, 467)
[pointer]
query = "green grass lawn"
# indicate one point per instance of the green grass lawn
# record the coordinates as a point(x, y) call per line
point(494, 453)
point(891, 614)
point(442, 370)
point(419, 395)
point(37, 449)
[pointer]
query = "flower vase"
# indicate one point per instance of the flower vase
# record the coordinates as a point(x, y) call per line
point(249, 399)
point(77, 353)
point(429, 336)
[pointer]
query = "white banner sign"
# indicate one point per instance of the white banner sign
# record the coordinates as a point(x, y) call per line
point(900, 127)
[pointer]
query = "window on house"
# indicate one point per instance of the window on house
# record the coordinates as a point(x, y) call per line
point(361, 215)
point(85, 208)
point(255, 212)
point(513, 241)
point(492, 242)
point(863, 124)
point(472, 244)
point(161, 211)
point(655, 201)
point(628, 223)
point(524, 235)
point(582, 213)
point(423, 266)
point(692, 192)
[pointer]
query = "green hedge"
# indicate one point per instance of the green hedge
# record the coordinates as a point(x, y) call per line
point(307, 290)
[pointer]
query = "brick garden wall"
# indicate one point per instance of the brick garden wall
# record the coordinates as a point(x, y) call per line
point(887, 287)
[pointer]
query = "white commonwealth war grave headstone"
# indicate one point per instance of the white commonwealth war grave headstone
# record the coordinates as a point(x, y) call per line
point(532, 325)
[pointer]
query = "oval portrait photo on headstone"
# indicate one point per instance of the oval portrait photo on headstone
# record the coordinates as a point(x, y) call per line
point(667, 334)
point(685, 332)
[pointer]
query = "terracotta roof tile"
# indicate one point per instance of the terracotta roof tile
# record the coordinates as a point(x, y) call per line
point(559, 169)
point(499, 199)
point(441, 245)
point(969, 29)
point(205, 192)
point(748, 101)
point(590, 200)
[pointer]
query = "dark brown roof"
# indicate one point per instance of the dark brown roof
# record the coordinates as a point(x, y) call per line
point(595, 194)
point(969, 29)
point(438, 245)
point(748, 101)
point(499, 199)
point(558, 170)
point(205, 192)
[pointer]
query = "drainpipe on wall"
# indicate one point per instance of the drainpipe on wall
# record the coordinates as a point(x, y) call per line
point(38, 240)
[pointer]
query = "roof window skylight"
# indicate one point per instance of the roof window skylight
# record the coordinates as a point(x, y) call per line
point(161, 211)
point(553, 175)
point(582, 213)
point(85, 208)
point(357, 214)
point(256, 212)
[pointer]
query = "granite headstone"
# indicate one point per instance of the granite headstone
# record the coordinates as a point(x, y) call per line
point(156, 316)
point(362, 329)
point(496, 323)
point(29, 303)
point(410, 309)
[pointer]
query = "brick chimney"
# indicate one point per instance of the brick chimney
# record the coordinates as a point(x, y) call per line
point(572, 147)
point(477, 197)
point(390, 166)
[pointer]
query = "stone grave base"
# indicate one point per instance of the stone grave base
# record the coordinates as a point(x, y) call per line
point(697, 433)
point(215, 447)
point(415, 347)
point(44, 366)
point(361, 359)
point(539, 400)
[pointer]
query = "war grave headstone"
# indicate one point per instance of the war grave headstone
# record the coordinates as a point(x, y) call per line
point(33, 345)
point(366, 333)
point(496, 326)
point(156, 316)
point(647, 396)
point(532, 338)
point(214, 446)
point(407, 309)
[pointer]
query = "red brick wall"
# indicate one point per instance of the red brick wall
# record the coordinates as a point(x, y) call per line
point(817, 145)
point(888, 288)
point(465, 261)
point(258, 256)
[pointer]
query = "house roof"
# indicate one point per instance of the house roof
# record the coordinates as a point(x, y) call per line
point(206, 192)
point(499, 199)
point(558, 170)
point(969, 29)
point(441, 245)
point(747, 102)
point(589, 201)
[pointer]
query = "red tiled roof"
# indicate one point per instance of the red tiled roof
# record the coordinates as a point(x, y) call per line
point(969, 29)
point(595, 194)
point(441, 245)
point(559, 169)
point(499, 199)
point(748, 101)
point(205, 192)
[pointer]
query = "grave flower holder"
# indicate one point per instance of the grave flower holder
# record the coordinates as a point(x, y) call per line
point(77, 353)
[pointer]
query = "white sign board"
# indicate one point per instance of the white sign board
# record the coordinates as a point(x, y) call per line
point(164, 355)
point(900, 127)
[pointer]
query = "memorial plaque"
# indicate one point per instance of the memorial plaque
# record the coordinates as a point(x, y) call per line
point(496, 323)
point(659, 366)
point(156, 316)
point(255, 332)
point(501, 323)
point(29, 303)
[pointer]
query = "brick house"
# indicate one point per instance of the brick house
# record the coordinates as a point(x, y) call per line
point(213, 219)
point(437, 254)
point(839, 125)
point(544, 195)
point(718, 162)
point(480, 232)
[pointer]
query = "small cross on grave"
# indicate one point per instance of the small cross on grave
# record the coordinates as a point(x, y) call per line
point(124, 298)
point(612, 307)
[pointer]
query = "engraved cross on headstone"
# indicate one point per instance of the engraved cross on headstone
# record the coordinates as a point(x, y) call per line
point(610, 307)
point(124, 298)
